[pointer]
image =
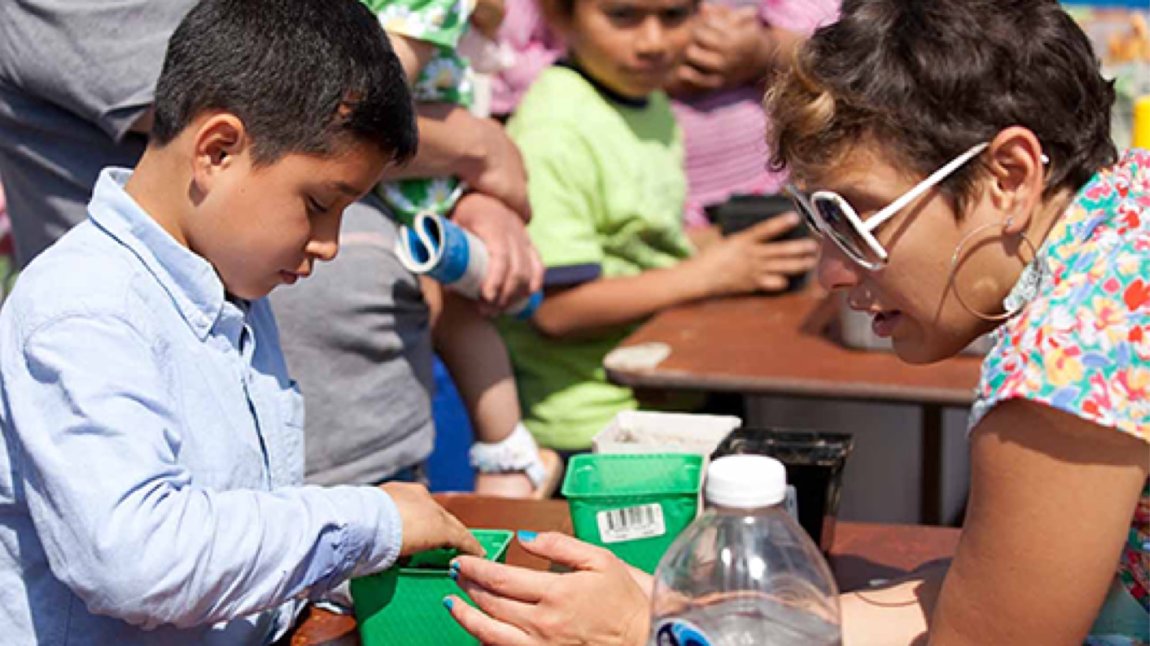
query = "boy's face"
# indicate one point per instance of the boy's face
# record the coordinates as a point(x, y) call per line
point(262, 226)
point(630, 46)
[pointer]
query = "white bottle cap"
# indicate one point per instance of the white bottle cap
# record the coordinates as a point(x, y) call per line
point(746, 481)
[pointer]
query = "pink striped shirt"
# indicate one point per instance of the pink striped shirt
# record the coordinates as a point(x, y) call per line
point(725, 131)
point(536, 48)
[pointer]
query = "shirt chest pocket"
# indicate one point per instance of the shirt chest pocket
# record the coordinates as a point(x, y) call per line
point(284, 436)
point(221, 444)
point(292, 407)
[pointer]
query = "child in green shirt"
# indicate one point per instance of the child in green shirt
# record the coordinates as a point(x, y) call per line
point(607, 187)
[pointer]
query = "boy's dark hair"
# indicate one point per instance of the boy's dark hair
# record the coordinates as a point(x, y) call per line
point(305, 76)
point(928, 79)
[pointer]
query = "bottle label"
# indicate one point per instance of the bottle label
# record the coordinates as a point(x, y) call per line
point(631, 523)
point(679, 632)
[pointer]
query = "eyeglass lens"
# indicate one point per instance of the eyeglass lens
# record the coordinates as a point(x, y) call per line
point(835, 223)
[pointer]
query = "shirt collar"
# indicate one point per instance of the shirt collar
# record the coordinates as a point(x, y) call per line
point(1091, 207)
point(190, 281)
point(608, 93)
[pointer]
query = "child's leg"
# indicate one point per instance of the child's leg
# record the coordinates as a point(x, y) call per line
point(506, 456)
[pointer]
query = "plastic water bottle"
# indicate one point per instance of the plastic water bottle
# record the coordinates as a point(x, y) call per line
point(744, 573)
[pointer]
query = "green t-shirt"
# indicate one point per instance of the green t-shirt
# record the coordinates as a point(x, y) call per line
point(607, 189)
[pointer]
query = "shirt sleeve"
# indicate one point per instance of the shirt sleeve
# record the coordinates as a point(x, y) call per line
point(536, 48)
point(1083, 345)
point(439, 22)
point(105, 56)
point(564, 192)
point(800, 16)
point(125, 526)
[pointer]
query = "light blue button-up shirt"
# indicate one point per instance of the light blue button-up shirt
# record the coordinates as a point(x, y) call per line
point(152, 447)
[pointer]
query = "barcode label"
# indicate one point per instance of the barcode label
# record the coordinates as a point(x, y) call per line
point(630, 523)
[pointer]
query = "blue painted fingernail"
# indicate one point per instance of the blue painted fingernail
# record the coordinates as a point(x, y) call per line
point(448, 603)
point(526, 537)
point(454, 574)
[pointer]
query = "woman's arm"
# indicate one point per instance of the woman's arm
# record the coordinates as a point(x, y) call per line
point(1052, 497)
point(452, 141)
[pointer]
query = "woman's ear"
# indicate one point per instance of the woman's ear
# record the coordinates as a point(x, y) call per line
point(1017, 176)
point(219, 140)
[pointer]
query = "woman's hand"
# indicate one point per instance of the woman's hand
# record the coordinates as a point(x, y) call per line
point(603, 601)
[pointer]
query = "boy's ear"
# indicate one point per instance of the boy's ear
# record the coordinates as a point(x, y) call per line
point(219, 141)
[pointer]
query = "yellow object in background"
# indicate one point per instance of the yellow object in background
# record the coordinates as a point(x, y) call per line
point(1141, 134)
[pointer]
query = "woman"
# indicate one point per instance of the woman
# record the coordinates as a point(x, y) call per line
point(954, 155)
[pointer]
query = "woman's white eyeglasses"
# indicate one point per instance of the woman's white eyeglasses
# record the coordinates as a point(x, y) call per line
point(829, 215)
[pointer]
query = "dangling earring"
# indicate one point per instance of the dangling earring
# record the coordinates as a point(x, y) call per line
point(1010, 312)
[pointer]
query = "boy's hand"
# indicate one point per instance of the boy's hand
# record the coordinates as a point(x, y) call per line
point(426, 525)
point(751, 261)
point(729, 48)
point(514, 269)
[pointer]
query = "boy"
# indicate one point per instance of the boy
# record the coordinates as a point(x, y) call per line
point(607, 191)
point(151, 434)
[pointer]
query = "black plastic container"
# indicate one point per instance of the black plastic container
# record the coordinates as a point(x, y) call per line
point(743, 211)
point(814, 462)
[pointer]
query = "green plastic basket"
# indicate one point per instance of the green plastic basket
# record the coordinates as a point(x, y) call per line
point(404, 605)
point(633, 504)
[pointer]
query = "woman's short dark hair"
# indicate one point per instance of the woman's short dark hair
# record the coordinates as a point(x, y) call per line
point(303, 76)
point(928, 79)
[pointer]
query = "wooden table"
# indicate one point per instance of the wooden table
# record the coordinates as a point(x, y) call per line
point(785, 345)
point(862, 552)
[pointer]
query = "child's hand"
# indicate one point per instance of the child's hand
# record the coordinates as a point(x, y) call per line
point(751, 261)
point(487, 17)
point(729, 48)
point(426, 525)
point(514, 269)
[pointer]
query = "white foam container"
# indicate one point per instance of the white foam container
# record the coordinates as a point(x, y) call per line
point(636, 431)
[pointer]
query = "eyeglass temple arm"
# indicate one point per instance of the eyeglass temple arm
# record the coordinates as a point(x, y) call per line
point(925, 185)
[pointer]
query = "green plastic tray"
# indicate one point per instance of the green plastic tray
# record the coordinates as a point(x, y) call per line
point(403, 606)
point(633, 504)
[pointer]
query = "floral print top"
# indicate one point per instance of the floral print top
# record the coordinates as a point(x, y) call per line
point(446, 78)
point(1081, 340)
